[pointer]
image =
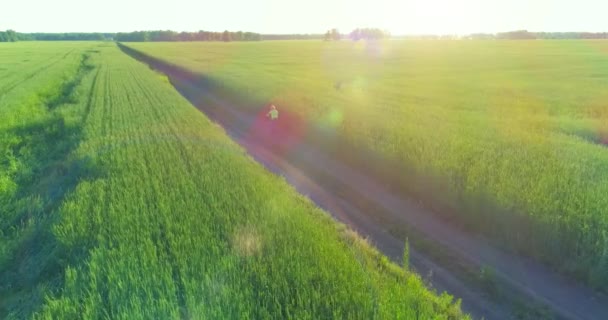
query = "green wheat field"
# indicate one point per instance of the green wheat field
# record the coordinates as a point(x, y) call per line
point(120, 200)
point(514, 132)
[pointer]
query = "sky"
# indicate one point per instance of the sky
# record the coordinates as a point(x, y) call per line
point(305, 16)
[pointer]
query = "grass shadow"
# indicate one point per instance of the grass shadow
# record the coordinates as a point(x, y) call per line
point(33, 262)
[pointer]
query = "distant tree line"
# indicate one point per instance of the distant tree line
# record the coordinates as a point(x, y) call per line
point(72, 36)
point(571, 35)
point(428, 37)
point(519, 34)
point(511, 35)
point(526, 35)
point(12, 36)
point(167, 35)
point(333, 35)
point(294, 36)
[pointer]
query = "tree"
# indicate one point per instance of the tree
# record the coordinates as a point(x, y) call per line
point(368, 34)
point(250, 36)
point(516, 35)
point(9, 36)
point(186, 36)
point(332, 34)
point(482, 36)
point(335, 35)
point(203, 36)
point(12, 35)
point(163, 35)
point(226, 36)
point(137, 36)
point(355, 35)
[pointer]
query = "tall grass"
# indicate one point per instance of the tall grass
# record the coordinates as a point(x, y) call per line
point(36, 171)
point(170, 219)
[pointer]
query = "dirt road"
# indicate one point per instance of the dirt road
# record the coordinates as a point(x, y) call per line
point(363, 203)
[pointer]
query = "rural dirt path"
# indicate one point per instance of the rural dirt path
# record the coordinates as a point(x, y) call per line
point(365, 205)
